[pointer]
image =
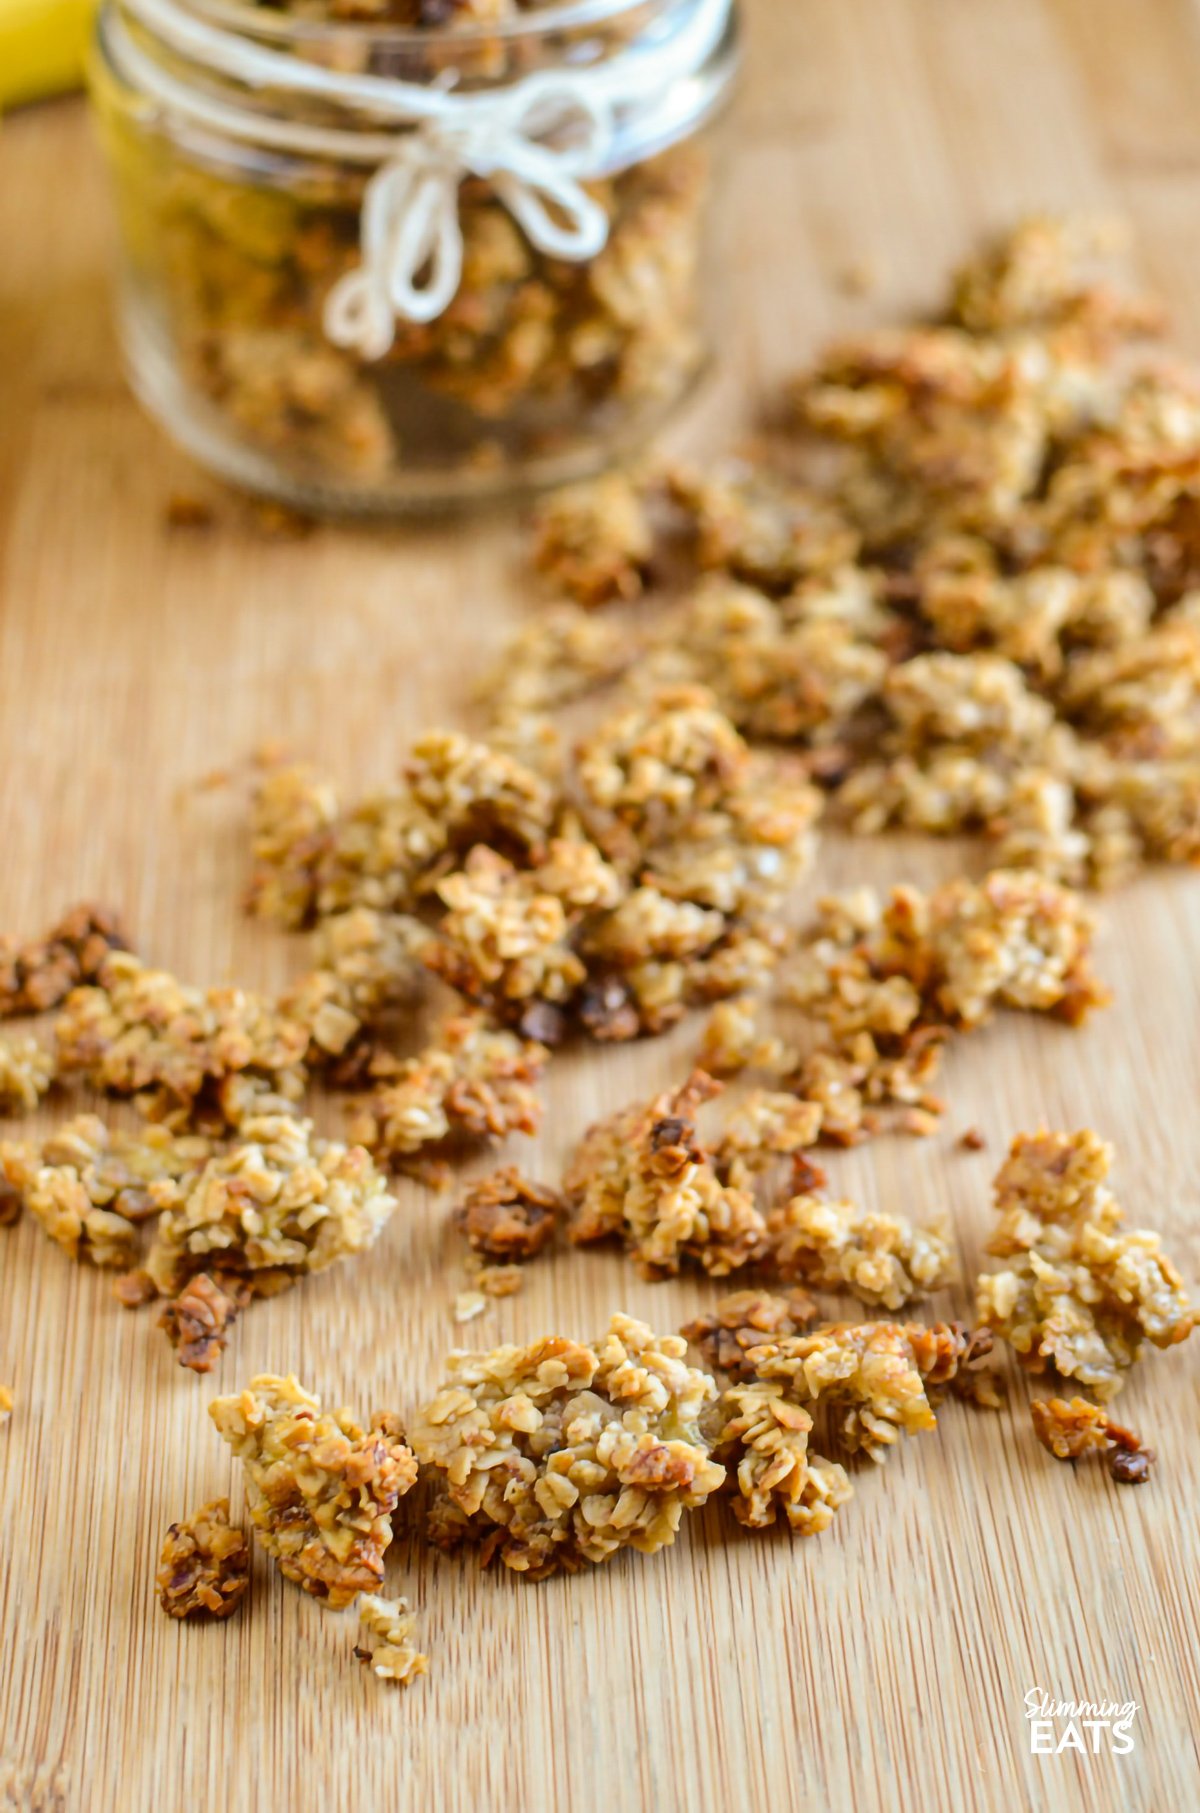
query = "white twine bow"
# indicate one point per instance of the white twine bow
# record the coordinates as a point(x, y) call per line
point(535, 142)
point(411, 238)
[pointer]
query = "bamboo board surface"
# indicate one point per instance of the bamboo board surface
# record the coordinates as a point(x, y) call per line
point(884, 1664)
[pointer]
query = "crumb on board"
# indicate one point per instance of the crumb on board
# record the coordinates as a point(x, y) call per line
point(386, 1646)
point(204, 1569)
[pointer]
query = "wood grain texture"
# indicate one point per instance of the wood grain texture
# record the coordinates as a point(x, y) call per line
point(885, 1663)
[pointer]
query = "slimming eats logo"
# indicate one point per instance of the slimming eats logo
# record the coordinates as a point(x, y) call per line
point(1093, 1727)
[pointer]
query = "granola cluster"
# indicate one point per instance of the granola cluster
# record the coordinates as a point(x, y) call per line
point(204, 1569)
point(605, 899)
point(642, 1175)
point(472, 1081)
point(558, 1454)
point(963, 584)
point(188, 1055)
point(90, 1187)
point(277, 1203)
point(386, 1642)
point(320, 1490)
point(1081, 1294)
point(198, 1321)
point(27, 1071)
point(869, 1383)
point(890, 981)
point(38, 975)
point(885, 1261)
point(508, 1217)
point(595, 540)
point(1072, 1428)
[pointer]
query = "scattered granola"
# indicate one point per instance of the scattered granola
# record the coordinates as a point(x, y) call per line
point(90, 1187)
point(473, 1079)
point(187, 1055)
point(884, 1260)
point(595, 540)
point(1069, 1429)
point(557, 1454)
point(387, 1647)
point(27, 1071)
point(275, 1204)
point(320, 1490)
point(505, 1216)
point(38, 975)
point(1082, 1294)
point(205, 1566)
point(198, 1321)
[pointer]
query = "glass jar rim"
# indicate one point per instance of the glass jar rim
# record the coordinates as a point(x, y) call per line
point(280, 28)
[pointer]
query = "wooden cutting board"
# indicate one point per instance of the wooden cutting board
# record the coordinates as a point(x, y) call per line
point(884, 1664)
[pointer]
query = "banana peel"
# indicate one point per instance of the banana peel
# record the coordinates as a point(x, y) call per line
point(43, 44)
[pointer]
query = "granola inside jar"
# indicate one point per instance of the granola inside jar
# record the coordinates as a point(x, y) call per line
point(378, 254)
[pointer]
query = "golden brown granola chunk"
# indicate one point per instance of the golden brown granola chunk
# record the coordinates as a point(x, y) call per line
point(884, 1260)
point(595, 540)
point(204, 1570)
point(1082, 1294)
point(563, 654)
point(294, 810)
point(198, 1320)
point(744, 1320)
point(38, 975)
point(1070, 1429)
point(27, 1072)
point(763, 1441)
point(181, 1051)
point(472, 1079)
point(275, 1204)
point(558, 1454)
point(386, 1646)
point(320, 1490)
point(506, 1216)
point(366, 964)
point(90, 1187)
point(643, 1175)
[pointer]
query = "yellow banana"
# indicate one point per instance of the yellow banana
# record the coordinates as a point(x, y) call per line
point(42, 44)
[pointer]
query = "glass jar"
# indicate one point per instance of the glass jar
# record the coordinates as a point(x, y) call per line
point(330, 302)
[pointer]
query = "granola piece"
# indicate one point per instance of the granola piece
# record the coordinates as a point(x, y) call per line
point(563, 654)
point(1037, 275)
point(1082, 1294)
point(971, 1139)
point(134, 1289)
point(865, 1373)
point(204, 1569)
point(90, 1187)
point(366, 964)
point(387, 1628)
point(11, 1199)
point(27, 1072)
point(745, 1320)
point(651, 767)
point(198, 1321)
point(1070, 1430)
point(768, 1125)
point(762, 1441)
point(320, 1490)
point(503, 940)
point(732, 1041)
point(760, 528)
point(293, 814)
point(884, 1260)
point(641, 1174)
point(469, 1304)
point(500, 1280)
point(277, 1203)
point(472, 1078)
point(595, 540)
point(506, 1216)
point(140, 1032)
point(558, 1454)
point(40, 974)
